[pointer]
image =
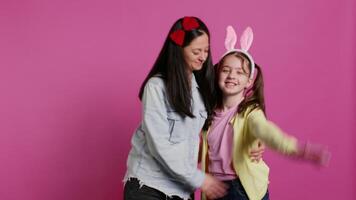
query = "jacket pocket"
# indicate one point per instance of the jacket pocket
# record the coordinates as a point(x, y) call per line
point(177, 129)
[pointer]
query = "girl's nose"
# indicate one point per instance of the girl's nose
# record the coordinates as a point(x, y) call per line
point(230, 76)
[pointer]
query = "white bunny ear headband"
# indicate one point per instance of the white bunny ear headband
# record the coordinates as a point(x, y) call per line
point(245, 43)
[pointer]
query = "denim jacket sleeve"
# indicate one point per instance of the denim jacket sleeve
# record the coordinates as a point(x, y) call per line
point(157, 132)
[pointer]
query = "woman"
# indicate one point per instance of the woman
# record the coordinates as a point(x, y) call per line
point(176, 100)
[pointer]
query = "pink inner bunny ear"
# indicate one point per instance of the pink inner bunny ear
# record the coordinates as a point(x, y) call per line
point(231, 38)
point(246, 39)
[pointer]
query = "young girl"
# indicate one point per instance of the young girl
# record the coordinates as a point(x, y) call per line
point(239, 122)
point(162, 163)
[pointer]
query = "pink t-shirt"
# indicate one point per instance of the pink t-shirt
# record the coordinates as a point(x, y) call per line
point(220, 140)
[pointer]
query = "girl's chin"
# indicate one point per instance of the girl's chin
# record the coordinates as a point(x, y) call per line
point(230, 92)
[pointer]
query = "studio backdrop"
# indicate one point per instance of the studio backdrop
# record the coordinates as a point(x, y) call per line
point(70, 72)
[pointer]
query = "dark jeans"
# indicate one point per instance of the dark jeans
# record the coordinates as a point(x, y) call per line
point(133, 191)
point(237, 192)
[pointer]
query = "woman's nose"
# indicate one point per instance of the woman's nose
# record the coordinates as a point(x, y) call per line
point(203, 56)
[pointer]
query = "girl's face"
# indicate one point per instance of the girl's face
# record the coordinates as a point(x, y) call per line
point(196, 52)
point(233, 76)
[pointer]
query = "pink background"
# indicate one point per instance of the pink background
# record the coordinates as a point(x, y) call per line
point(70, 72)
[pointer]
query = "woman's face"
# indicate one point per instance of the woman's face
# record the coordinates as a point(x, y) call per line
point(196, 52)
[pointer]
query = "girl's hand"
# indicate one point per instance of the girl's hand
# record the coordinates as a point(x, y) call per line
point(315, 153)
point(257, 153)
point(213, 188)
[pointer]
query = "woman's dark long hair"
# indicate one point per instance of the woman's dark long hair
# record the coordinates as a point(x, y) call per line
point(171, 66)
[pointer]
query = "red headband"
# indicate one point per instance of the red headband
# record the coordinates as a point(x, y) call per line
point(188, 24)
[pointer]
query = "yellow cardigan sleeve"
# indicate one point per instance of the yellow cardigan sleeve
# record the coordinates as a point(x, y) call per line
point(270, 134)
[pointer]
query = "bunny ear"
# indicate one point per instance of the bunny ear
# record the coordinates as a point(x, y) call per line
point(230, 39)
point(246, 39)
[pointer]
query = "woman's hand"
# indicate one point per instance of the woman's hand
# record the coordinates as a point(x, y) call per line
point(257, 152)
point(213, 188)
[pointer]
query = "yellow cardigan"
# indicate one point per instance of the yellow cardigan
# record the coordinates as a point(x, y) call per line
point(250, 127)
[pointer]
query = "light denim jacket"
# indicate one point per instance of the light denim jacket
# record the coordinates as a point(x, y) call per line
point(165, 146)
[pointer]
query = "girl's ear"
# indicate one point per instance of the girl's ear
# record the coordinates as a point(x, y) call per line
point(249, 83)
point(230, 39)
point(246, 39)
point(248, 88)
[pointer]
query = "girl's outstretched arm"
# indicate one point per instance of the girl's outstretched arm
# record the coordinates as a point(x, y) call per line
point(275, 138)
